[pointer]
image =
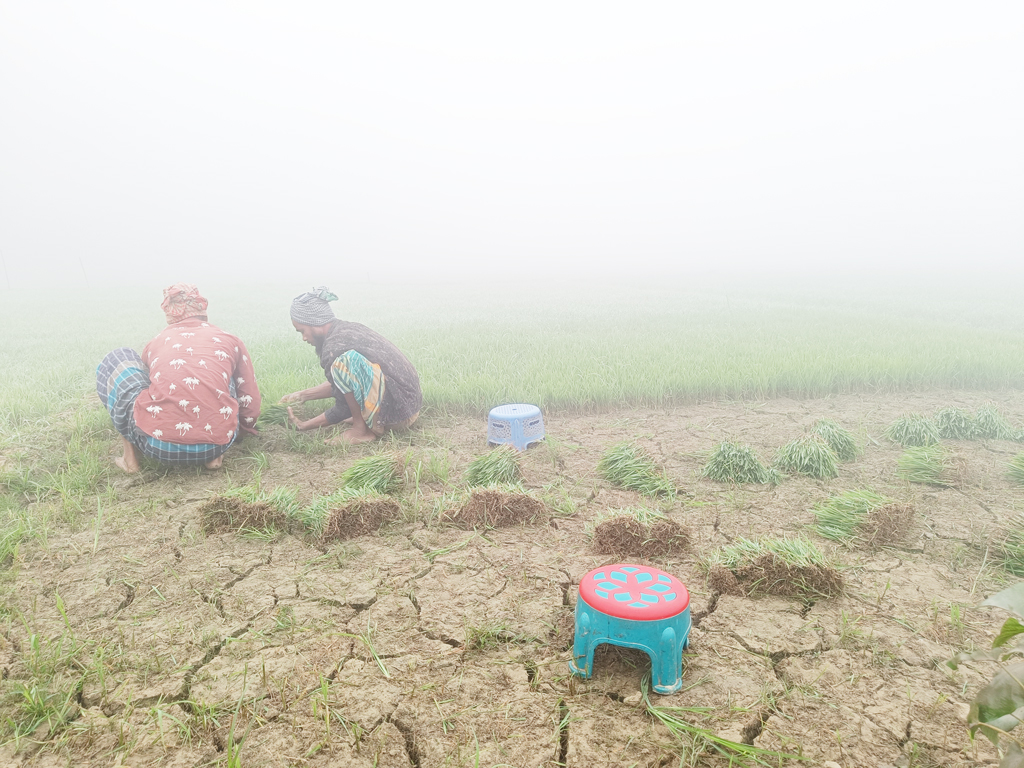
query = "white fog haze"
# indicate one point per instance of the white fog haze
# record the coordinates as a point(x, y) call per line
point(273, 142)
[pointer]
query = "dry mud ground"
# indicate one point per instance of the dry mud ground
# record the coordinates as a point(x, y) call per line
point(191, 643)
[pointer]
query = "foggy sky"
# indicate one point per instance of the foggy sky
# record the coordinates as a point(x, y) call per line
point(169, 141)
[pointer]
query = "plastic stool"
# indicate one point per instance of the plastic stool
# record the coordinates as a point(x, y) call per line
point(517, 424)
point(635, 607)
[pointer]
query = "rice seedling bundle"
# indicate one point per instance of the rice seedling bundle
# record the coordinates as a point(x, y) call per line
point(955, 424)
point(495, 506)
point(732, 463)
point(840, 516)
point(808, 455)
point(838, 439)
point(1015, 469)
point(249, 508)
point(500, 466)
point(1010, 545)
point(377, 473)
point(990, 423)
point(930, 465)
point(784, 566)
point(356, 512)
point(913, 429)
point(275, 413)
point(629, 466)
point(639, 532)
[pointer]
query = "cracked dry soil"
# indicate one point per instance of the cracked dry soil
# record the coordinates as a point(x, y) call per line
point(427, 645)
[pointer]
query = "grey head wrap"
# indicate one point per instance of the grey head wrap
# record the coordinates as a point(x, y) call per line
point(311, 308)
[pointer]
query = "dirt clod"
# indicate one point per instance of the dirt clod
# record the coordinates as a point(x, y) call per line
point(491, 508)
point(625, 536)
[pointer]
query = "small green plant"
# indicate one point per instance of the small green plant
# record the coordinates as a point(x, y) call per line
point(955, 424)
point(838, 439)
point(930, 465)
point(275, 413)
point(497, 467)
point(732, 463)
point(808, 455)
point(913, 429)
point(377, 473)
point(840, 516)
point(998, 708)
point(990, 423)
point(1015, 469)
point(631, 467)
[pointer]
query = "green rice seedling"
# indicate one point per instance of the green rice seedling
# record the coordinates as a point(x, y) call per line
point(838, 439)
point(793, 551)
point(784, 566)
point(913, 429)
point(840, 516)
point(275, 413)
point(930, 465)
point(1015, 469)
point(955, 424)
point(497, 467)
point(808, 455)
point(990, 423)
point(313, 516)
point(377, 473)
point(629, 466)
point(732, 463)
point(281, 498)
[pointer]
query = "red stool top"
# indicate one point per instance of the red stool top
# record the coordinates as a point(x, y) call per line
point(634, 592)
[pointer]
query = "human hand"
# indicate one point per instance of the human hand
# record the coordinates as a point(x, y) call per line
point(294, 397)
point(295, 421)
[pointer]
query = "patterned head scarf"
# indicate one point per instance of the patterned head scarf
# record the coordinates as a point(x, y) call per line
point(311, 308)
point(181, 301)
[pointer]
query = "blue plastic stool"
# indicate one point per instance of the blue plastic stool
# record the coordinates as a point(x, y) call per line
point(516, 424)
point(633, 606)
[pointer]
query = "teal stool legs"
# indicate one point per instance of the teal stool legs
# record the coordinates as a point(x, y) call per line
point(664, 640)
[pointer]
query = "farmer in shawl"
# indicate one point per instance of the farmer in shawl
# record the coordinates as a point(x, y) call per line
point(373, 384)
point(188, 397)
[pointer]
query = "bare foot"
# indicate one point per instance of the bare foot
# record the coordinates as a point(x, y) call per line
point(215, 463)
point(351, 437)
point(129, 463)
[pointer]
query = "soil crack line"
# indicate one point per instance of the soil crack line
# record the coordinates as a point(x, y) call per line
point(411, 749)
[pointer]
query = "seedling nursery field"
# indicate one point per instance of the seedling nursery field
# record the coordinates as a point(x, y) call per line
point(387, 605)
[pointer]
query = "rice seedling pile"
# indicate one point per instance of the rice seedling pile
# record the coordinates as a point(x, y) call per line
point(990, 423)
point(784, 567)
point(1015, 469)
point(496, 507)
point(838, 439)
point(955, 424)
point(808, 455)
point(840, 516)
point(274, 413)
point(498, 467)
point(354, 513)
point(248, 508)
point(913, 429)
point(931, 465)
point(887, 524)
point(1009, 545)
point(629, 466)
point(377, 473)
point(732, 463)
point(639, 532)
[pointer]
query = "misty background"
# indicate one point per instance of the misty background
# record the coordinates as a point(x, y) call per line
point(317, 142)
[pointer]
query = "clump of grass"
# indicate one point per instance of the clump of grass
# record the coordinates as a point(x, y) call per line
point(930, 465)
point(838, 439)
point(639, 532)
point(1009, 545)
point(732, 463)
point(1015, 469)
point(275, 413)
point(808, 455)
point(990, 423)
point(377, 473)
point(629, 466)
point(840, 516)
point(955, 424)
point(784, 566)
point(497, 467)
point(913, 429)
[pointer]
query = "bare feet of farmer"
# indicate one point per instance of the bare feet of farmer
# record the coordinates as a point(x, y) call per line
point(215, 463)
point(352, 437)
point(129, 462)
